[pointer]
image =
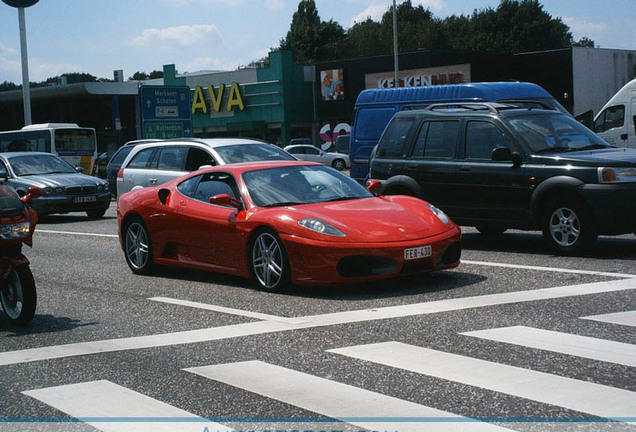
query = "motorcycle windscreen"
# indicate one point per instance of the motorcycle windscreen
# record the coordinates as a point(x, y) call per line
point(10, 202)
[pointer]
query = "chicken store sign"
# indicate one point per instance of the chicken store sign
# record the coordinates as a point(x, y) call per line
point(455, 74)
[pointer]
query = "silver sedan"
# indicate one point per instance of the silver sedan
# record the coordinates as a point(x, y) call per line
point(339, 161)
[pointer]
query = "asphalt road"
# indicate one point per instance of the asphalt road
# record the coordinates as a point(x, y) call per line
point(514, 338)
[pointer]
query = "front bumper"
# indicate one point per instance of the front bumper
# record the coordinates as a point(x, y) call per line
point(67, 204)
point(320, 263)
point(613, 207)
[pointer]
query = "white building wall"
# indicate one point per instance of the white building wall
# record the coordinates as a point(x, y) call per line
point(598, 74)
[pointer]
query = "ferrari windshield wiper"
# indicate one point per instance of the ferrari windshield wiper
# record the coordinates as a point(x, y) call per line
point(283, 204)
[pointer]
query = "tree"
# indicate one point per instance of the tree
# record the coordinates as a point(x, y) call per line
point(518, 26)
point(309, 38)
point(584, 42)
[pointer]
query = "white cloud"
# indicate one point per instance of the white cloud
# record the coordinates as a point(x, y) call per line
point(181, 36)
point(269, 4)
point(584, 28)
point(376, 10)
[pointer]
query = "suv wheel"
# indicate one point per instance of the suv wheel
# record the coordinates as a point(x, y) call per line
point(568, 226)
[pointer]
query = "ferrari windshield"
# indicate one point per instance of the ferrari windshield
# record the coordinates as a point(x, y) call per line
point(40, 164)
point(553, 133)
point(252, 152)
point(305, 184)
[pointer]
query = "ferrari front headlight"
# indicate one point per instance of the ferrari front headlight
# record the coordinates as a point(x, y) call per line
point(440, 214)
point(321, 227)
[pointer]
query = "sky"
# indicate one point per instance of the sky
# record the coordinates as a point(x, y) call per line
point(100, 36)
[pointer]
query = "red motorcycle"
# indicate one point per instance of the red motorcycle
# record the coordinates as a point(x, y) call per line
point(17, 223)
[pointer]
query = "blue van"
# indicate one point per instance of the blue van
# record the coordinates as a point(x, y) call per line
point(375, 107)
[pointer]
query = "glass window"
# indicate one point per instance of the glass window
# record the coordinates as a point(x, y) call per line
point(171, 158)
point(188, 186)
point(394, 141)
point(437, 139)
point(312, 151)
point(197, 158)
point(212, 184)
point(252, 152)
point(141, 159)
point(612, 117)
point(482, 138)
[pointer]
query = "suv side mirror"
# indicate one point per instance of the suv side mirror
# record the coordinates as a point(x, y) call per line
point(502, 154)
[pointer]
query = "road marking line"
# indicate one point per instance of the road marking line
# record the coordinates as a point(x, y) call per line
point(38, 230)
point(549, 269)
point(336, 318)
point(215, 308)
point(587, 397)
point(627, 318)
point(336, 400)
point(113, 408)
point(564, 343)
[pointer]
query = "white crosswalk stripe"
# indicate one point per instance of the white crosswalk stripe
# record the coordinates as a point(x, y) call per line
point(336, 400)
point(586, 397)
point(580, 346)
point(627, 318)
point(111, 408)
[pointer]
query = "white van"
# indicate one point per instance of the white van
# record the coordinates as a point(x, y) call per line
point(616, 121)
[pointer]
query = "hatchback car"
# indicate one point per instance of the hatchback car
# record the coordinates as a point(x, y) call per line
point(64, 189)
point(339, 161)
point(114, 163)
point(158, 162)
point(496, 166)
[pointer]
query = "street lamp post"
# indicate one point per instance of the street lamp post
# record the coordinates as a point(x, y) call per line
point(26, 88)
point(395, 48)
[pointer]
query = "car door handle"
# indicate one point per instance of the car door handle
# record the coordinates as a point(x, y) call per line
point(465, 169)
point(412, 166)
point(152, 180)
point(624, 137)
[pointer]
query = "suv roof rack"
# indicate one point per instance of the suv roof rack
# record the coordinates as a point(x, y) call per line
point(493, 107)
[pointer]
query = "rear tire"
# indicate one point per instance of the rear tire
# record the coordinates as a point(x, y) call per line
point(568, 225)
point(339, 164)
point(18, 295)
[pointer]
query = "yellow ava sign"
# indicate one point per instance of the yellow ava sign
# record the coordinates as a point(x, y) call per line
point(234, 99)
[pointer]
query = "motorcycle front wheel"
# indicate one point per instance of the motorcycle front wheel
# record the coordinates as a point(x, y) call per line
point(18, 296)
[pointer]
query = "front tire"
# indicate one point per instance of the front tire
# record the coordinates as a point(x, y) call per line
point(18, 295)
point(138, 247)
point(269, 263)
point(568, 226)
point(95, 213)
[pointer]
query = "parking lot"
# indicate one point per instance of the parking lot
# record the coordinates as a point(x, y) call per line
point(514, 338)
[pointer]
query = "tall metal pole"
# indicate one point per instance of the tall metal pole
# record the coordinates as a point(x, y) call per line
point(26, 88)
point(395, 48)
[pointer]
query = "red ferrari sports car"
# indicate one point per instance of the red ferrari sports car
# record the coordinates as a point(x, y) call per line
point(283, 222)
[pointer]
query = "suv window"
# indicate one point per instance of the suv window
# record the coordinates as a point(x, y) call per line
point(395, 139)
point(436, 139)
point(141, 159)
point(482, 138)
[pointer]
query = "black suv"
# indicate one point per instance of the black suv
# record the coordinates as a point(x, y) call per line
point(497, 166)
